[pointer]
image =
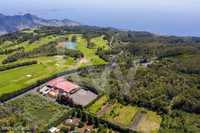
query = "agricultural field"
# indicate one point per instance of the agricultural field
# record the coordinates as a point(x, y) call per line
point(134, 117)
point(21, 77)
point(151, 122)
point(31, 111)
point(94, 108)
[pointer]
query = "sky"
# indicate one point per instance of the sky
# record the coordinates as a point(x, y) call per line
point(168, 17)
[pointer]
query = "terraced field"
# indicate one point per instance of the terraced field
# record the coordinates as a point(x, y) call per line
point(126, 116)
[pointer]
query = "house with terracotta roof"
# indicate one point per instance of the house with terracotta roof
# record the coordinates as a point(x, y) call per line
point(63, 85)
point(68, 92)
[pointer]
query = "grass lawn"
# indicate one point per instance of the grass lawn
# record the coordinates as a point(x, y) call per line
point(89, 54)
point(94, 108)
point(18, 78)
point(40, 42)
point(33, 110)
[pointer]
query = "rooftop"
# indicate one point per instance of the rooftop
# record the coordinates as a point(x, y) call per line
point(83, 97)
point(62, 84)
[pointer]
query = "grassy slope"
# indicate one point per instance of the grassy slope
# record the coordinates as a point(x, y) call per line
point(89, 54)
point(15, 79)
point(40, 42)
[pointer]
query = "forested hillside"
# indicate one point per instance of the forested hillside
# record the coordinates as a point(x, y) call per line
point(160, 73)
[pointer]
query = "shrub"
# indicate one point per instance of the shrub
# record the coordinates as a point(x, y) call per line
point(81, 124)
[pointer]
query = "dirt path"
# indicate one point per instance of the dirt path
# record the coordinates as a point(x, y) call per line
point(140, 116)
point(112, 39)
point(104, 109)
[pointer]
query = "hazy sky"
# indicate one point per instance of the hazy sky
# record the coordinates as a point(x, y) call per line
point(179, 17)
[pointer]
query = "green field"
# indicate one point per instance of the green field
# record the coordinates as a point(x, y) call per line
point(124, 115)
point(120, 114)
point(94, 108)
point(44, 40)
point(31, 111)
point(18, 78)
point(89, 54)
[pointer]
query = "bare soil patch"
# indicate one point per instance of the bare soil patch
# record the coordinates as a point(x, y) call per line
point(140, 116)
point(104, 109)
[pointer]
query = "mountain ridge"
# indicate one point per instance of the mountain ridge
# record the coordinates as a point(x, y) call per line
point(15, 23)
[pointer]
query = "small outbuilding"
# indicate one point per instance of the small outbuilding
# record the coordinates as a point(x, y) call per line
point(54, 130)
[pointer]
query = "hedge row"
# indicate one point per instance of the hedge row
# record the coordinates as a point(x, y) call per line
point(65, 116)
point(8, 51)
point(11, 66)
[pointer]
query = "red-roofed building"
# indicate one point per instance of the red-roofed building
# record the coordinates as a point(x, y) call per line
point(63, 85)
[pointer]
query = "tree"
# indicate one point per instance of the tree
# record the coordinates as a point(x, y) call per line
point(90, 120)
point(84, 117)
point(64, 130)
point(81, 124)
point(74, 38)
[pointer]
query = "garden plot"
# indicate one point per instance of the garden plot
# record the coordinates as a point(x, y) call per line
point(120, 114)
point(30, 111)
point(97, 106)
point(150, 123)
point(128, 116)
